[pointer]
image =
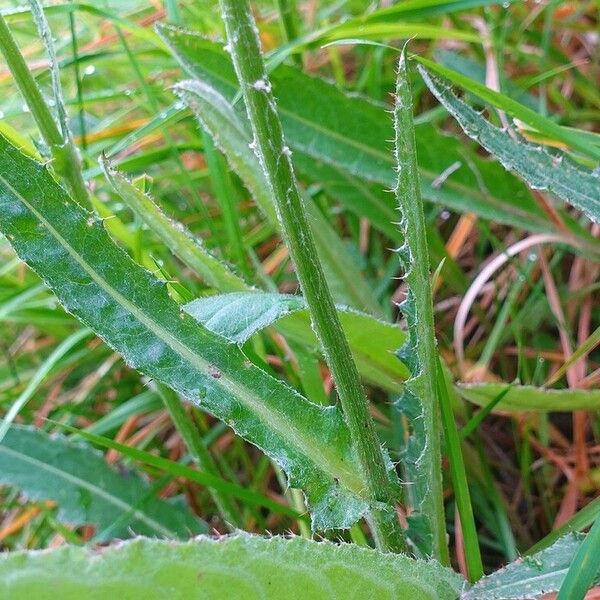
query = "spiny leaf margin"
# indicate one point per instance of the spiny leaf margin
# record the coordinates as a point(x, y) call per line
point(132, 311)
point(251, 567)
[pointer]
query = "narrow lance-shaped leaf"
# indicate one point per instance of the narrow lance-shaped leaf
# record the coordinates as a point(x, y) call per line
point(177, 238)
point(540, 169)
point(132, 311)
point(422, 458)
point(88, 491)
point(248, 567)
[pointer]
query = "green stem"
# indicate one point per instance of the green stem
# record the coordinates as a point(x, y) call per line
point(190, 435)
point(418, 310)
point(274, 157)
point(287, 16)
point(65, 158)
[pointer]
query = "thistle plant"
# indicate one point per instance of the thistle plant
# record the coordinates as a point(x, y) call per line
point(301, 409)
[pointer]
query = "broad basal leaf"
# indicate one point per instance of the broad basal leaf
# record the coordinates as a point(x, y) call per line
point(540, 169)
point(530, 577)
point(132, 311)
point(237, 316)
point(352, 133)
point(528, 397)
point(86, 490)
point(240, 567)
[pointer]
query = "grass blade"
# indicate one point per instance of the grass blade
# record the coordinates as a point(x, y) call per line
point(516, 398)
point(585, 568)
point(514, 109)
point(176, 469)
point(460, 481)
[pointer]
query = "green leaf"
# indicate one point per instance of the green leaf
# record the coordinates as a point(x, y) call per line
point(239, 566)
point(352, 133)
point(237, 316)
point(178, 239)
point(540, 169)
point(132, 311)
point(529, 398)
point(87, 490)
point(232, 135)
point(420, 400)
point(530, 577)
point(571, 137)
point(379, 368)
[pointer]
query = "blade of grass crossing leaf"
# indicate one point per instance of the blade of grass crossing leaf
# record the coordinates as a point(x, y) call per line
point(580, 520)
point(419, 351)
point(513, 108)
point(274, 157)
point(558, 174)
point(460, 481)
point(179, 470)
point(587, 346)
point(531, 577)
point(86, 489)
point(57, 354)
point(189, 432)
point(585, 567)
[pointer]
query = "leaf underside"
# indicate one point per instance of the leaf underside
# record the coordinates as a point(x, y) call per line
point(247, 567)
point(238, 316)
point(86, 490)
point(132, 311)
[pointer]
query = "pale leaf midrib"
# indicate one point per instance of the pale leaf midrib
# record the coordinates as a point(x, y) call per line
point(88, 485)
point(285, 428)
